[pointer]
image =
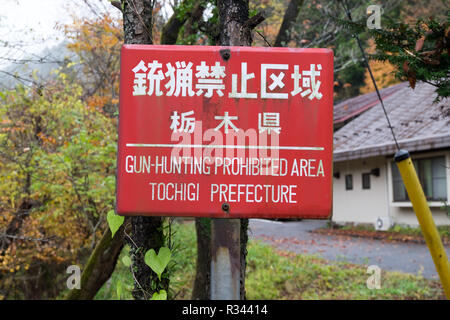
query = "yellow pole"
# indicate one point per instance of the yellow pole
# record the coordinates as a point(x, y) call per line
point(423, 213)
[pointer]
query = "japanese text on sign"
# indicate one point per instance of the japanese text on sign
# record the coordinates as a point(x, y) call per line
point(156, 78)
point(198, 130)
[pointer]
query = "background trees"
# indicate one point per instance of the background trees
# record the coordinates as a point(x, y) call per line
point(58, 180)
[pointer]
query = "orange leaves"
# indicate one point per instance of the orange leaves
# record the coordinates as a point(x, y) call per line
point(384, 74)
point(97, 103)
point(61, 155)
point(6, 125)
point(103, 33)
point(46, 139)
point(97, 44)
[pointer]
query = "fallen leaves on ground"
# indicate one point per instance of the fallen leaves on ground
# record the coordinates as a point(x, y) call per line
point(377, 235)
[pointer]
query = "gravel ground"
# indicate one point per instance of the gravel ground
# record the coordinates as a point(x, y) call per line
point(295, 236)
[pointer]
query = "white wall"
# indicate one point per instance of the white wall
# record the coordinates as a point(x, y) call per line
point(358, 205)
point(365, 206)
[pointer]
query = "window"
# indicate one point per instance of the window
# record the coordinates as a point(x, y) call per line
point(348, 182)
point(432, 176)
point(366, 180)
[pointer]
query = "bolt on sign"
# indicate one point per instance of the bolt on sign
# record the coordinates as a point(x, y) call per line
point(225, 132)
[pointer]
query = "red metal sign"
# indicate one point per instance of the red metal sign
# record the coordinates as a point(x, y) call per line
point(225, 132)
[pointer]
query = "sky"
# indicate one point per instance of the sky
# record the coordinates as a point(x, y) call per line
point(29, 26)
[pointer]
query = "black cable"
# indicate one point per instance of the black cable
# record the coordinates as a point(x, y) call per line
point(371, 75)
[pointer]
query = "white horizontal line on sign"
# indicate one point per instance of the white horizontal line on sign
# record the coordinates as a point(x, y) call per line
point(158, 145)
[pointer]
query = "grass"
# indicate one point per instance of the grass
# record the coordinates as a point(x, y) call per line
point(444, 231)
point(412, 231)
point(280, 275)
point(274, 274)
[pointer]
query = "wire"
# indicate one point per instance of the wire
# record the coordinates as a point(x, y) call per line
point(371, 75)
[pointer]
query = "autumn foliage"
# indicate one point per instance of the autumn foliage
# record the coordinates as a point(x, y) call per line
point(57, 164)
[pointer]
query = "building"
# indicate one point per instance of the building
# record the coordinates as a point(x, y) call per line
point(367, 186)
point(347, 110)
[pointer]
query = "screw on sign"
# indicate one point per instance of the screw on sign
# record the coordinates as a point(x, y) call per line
point(225, 132)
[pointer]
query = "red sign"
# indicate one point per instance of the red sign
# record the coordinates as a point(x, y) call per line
point(225, 132)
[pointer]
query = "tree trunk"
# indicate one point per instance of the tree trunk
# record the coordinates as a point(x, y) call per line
point(137, 21)
point(192, 23)
point(146, 232)
point(202, 286)
point(169, 33)
point(171, 29)
point(233, 14)
point(290, 15)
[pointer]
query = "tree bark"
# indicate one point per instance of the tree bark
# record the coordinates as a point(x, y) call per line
point(290, 15)
point(146, 234)
point(171, 29)
point(232, 16)
point(137, 21)
point(202, 285)
point(195, 18)
point(169, 33)
point(100, 265)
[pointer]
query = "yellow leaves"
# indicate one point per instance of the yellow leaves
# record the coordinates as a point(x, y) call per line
point(108, 41)
point(97, 44)
point(383, 73)
point(7, 263)
point(71, 64)
point(91, 34)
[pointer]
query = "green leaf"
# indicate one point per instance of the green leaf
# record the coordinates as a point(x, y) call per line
point(114, 222)
point(161, 295)
point(126, 261)
point(158, 263)
point(119, 289)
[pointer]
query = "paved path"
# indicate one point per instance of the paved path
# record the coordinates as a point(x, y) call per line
point(295, 236)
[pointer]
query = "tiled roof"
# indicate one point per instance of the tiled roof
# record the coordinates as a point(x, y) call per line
point(419, 124)
point(354, 106)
